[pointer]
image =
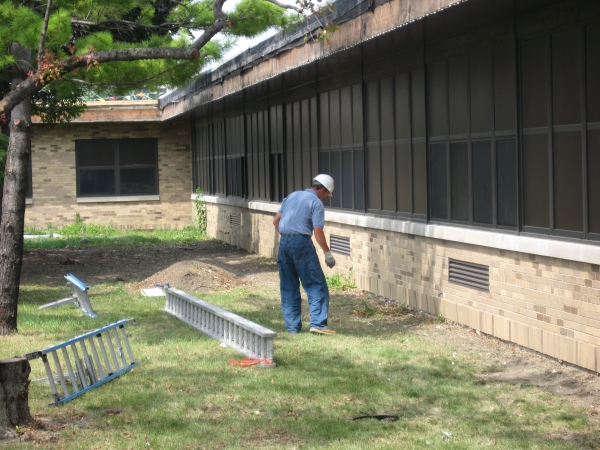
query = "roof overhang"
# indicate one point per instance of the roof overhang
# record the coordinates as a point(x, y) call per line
point(359, 21)
point(117, 111)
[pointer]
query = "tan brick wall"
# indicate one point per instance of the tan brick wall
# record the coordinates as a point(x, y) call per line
point(546, 304)
point(54, 177)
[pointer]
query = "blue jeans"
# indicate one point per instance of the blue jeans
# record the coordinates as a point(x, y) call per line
point(298, 262)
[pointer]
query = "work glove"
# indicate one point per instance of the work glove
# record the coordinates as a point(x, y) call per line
point(329, 260)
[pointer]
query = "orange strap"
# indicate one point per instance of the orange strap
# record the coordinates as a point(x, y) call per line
point(249, 362)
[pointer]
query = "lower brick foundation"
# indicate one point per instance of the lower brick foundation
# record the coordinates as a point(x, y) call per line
point(549, 305)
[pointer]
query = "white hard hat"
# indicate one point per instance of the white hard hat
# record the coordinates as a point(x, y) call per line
point(326, 181)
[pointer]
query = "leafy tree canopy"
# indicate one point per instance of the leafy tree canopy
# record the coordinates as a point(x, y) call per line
point(70, 42)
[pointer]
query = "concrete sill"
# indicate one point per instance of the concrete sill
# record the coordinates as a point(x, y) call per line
point(119, 199)
point(573, 251)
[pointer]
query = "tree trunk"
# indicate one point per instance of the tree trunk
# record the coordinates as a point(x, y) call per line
point(14, 395)
point(13, 202)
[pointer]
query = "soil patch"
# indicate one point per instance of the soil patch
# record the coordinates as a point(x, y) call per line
point(206, 265)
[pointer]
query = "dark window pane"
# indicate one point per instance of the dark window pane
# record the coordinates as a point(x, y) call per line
point(482, 182)
point(459, 176)
point(324, 163)
point(229, 180)
point(505, 89)
point(535, 83)
point(100, 152)
point(251, 150)
point(566, 77)
point(458, 92)
point(439, 182)
point(96, 182)
point(437, 99)
point(417, 86)
point(346, 180)
point(481, 91)
point(336, 174)
point(386, 93)
point(373, 178)
point(255, 158)
point(273, 130)
point(593, 72)
point(289, 149)
point(535, 181)
point(388, 178)
point(314, 138)
point(420, 178)
point(297, 164)
point(280, 133)
point(306, 126)
point(373, 112)
point(325, 167)
point(568, 189)
point(403, 169)
point(262, 155)
point(137, 151)
point(359, 180)
point(346, 111)
point(324, 104)
point(357, 114)
point(402, 87)
point(334, 118)
point(307, 174)
point(506, 168)
point(297, 127)
point(593, 181)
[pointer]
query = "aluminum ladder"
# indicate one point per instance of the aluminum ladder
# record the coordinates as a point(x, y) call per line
point(90, 360)
point(79, 297)
point(248, 338)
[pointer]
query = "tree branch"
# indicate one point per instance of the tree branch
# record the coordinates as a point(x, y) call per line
point(40, 53)
point(35, 83)
point(112, 24)
point(210, 32)
point(125, 83)
point(283, 5)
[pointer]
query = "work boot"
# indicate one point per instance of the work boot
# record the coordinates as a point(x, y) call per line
point(326, 331)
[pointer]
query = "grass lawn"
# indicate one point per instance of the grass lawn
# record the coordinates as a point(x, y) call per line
point(184, 394)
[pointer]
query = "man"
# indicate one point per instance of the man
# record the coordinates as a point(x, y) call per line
point(301, 214)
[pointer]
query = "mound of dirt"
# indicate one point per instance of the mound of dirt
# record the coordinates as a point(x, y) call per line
point(190, 276)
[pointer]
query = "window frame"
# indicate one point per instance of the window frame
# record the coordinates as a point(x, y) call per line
point(117, 145)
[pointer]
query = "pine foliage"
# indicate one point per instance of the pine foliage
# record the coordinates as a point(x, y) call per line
point(79, 28)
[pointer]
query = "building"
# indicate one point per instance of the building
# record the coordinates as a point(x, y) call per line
point(464, 137)
point(117, 163)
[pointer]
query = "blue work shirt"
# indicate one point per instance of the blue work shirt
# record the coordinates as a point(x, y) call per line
point(301, 212)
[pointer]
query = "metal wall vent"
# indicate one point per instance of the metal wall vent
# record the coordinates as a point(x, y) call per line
point(339, 244)
point(468, 274)
point(235, 220)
